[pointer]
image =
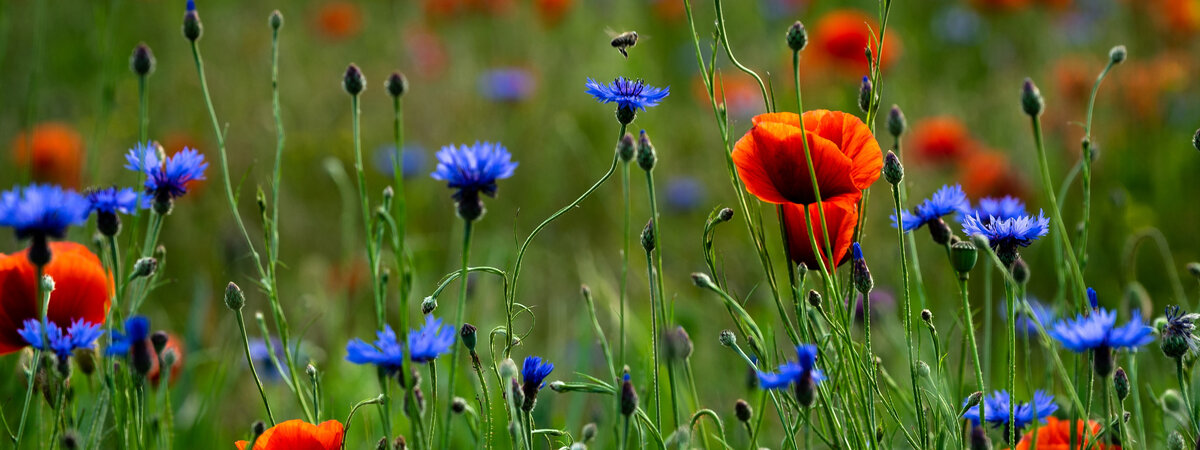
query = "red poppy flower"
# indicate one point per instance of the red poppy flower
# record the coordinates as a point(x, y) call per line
point(172, 344)
point(339, 20)
point(941, 140)
point(841, 216)
point(299, 435)
point(552, 11)
point(56, 156)
point(990, 174)
point(841, 36)
point(82, 290)
point(770, 157)
point(1056, 435)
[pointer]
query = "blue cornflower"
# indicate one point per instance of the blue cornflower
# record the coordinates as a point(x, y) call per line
point(533, 375)
point(431, 341)
point(804, 368)
point(629, 95)
point(1098, 331)
point(509, 84)
point(1178, 336)
point(81, 334)
point(112, 200)
point(387, 352)
point(166, 179)
point(191, 5)
point(1005, 236)
point(684, 194)
point(261, 355)
point(412, 159)
point(996, 409)
point(1007, 207)
point(137, 329)
point(1037, 314)
point(472, 170)
point(41, 210)
point(947, 200)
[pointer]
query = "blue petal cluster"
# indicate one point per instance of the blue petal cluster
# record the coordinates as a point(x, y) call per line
point(473, 169)
point(627, 94)
point(805, 366)
point(137, 329)
point(534, 372)
point(947, 200)
point(1004, 208)
point(42, 210)
point(260, 353)
point(996, 409)
point(1038, 313)
point(1008, 233)
point(387, 352)
point(168, 178)
point(1098, 330)
point(506, 85)
point(111, 200)
point(431, 341)
point(80, 334)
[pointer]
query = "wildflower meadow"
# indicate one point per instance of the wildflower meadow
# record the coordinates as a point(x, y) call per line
point(611, 224)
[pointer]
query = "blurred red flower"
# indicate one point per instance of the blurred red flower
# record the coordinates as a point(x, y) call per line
point(1056, 435)
point(552, 11)
point(339, 20)
point(56, 156)
point(941, 140)
point(299, 435)
point(82, 290)
point(840, 37)
point(990, 174)
point(172, 344)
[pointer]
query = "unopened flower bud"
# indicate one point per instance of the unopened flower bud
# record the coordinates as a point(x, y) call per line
point(70, 440)
point(702, 280)
point(234, 298)
point(927, 316)
point(428, 305)
point(1172, 402)
point(896, 122)
point(397, 84)
point(1020, 271)
point(589, 432)
point(725, 214)
point(275, 20)
point(940, 232)
point(865, 91)
point(922, 369)
point(353, 81)
point(1175, 441)
point(468, 336)
point(458, 405)
point(192, 28)
point(727, 338)
point(629, 397)
point(626, 147)
point(814, 298)
point(169, 356)
point(141, 62)
point(860, 274)
point(159, 339)
point(893, 171)
point(963, 255)
point(797, 37)
point(648, 241)
point(1117, 54)
point(508, 369)
point(1031, 99)
point(1121, 384)
point(742, 411)
point(311, 371)
point(679, 344)
point(646, 157)
point(144, 267)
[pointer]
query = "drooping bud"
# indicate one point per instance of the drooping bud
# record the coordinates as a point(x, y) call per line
point(144, 267)
point(814, 298)
point(458, 405)
point(1031, 99)
point(428, 305)
point(629, 397)
point(508, 369)
point(742, 411)
point(234, 298)
point(275, 20)
point(963, 255)
point(1020, 271)
point(927, 316)
point(468, 336)
point(1117, 54)
point(859, 273)
point(893, 171)
point(865, 91)
point(725, 214)
point(1121, 384)
point(589, 432)
point(897, 124)
point(648, 240)
point(353, 81)
point(679, 344)
point(397, 84)
point(727, 338)
point(939, 231)
point(797, 37)
point(626, 147)
point(646, 157)
point(141, 62)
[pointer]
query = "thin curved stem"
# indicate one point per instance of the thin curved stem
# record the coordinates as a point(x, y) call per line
point(250, 362)
point(458, 321)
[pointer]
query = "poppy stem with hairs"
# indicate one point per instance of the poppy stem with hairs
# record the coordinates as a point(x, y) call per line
point(655, 307)
point(458, 321)
point(44, 295)
point(912, 363)
point(1055, 214)
point(1010, 290)
point(1086, 162)
point(432, 408)
point(624, 278)
point(724, 37)
point(662, 298)
point(241, 320)
point(349, 418)
point(812, 173)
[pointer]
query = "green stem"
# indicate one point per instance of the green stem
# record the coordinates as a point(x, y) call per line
point(812, 173)
point(37, 354)
point(458, 321)
point(1011, 330)
point(1186, 388)
point(1055, 214)
point(250, 362)
point(912, 362)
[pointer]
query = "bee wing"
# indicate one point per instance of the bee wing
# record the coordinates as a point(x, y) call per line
point(610, 32)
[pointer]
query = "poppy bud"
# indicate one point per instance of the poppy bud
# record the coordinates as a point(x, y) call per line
point(1031, 99)
point(927, 316)
point(648, 236)
point(589, 432)
point(1117, 54)
point(865, 89)
point(428, 305)
point(727, 338)
point(742, 411)
point(893, 172)
point(141, 62)
point(939, 231)
point(629, 397)
point(508, 369)
point(1020, 271)
point(234, 298)
point(896, 122)
point(144, 267)
point(397, 84)
point(353, 81)
point(192, 28)
point(646, 158)
point(727, 213)
point(468, 336)
point(1172, 402)
point(702, 280)
point(275, 20)
point(814, 298)
point(458, 405)
point(979, 439)
point(797, 37)
point(679, 344)
point(860, 274)
point(801, 272)
point(963, 255)
point(922, 369)
point(1175, 441)
point(311, 371)
point(626, 147)
point(1121, 384)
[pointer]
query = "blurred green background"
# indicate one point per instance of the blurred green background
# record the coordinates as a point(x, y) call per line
point(963, 61)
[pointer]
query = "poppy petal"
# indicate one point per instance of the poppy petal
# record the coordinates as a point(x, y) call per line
point(841, 216)
point(771, 162)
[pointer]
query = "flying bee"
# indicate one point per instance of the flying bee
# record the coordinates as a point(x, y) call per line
point(623, 41)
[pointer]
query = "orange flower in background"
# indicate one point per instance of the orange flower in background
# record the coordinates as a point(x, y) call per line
point(174, 345)
point(1056, 435)
point(771, 162)
point(339, 20)
point(427, 50)
point(990, 174)
point(840, 37)
point(552, 11)
point(57, 155)
point(740, 96)
point(941, 140)
point(82, 290)
point(841, 216)
point(1182, 17)
point(299, 435)
point(491, 6)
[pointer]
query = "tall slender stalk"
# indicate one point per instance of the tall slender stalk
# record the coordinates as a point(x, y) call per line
point(912, 362)
point(458, 321)
point(250, 362)
point(44, 295)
